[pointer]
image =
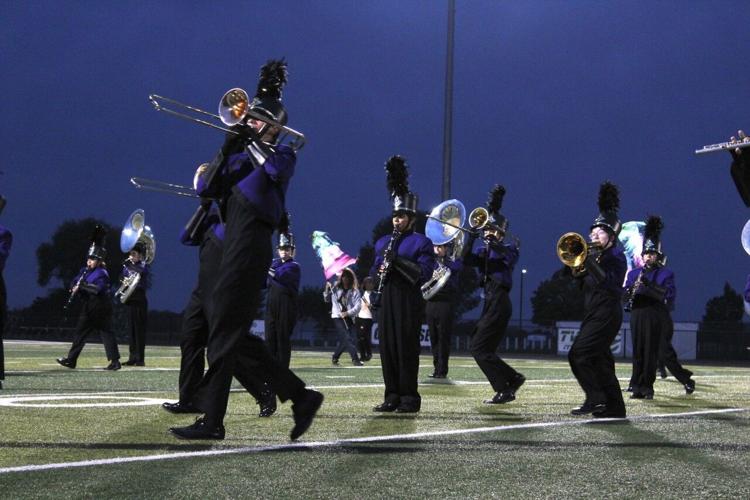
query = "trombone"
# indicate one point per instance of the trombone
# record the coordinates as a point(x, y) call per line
point(168, 187)
point(234, 108)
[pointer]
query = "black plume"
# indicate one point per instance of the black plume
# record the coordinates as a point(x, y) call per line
point(272, 78)
point(495, 200)
point(285, 223)
point(397, 176)
point(609, 197)
point(98, 235)
point(654, 226)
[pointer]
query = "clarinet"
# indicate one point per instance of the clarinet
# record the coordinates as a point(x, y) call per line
point(75, 289)
point(385, 268)
point(630, 297)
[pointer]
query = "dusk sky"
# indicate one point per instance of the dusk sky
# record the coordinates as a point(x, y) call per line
point(550, 99)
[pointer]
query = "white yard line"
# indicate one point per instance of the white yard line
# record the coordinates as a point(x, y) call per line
point(343, 442)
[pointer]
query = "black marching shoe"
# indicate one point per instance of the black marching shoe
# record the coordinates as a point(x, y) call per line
point(662, 373)
point(267, 403)
point(334, 361)
point(628, 389)
point(516, 382)
point(642, 395)
point(180, 407)
point(586, 408)
point(129, 362)
point(357, 362)
point(605, 412)
point(198, 430)
point(304, 410)
point(114, 365)
point(501, 398)
point(690, 386)
point(408, 408)
point(67, 363)
point(385, 406)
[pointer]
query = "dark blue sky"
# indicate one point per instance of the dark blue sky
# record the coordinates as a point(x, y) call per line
point(551, 98)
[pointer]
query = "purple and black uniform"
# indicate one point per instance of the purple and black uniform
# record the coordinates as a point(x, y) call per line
point(652, 327)
point(137, 305)
point(440, 316)
point(254, 188)
point(96, 314)
point(399, 317)
point(6, 241)
point(495, 263)
point(281, 308)
point(590, 356)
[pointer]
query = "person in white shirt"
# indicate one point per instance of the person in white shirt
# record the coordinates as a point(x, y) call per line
point(345, 303)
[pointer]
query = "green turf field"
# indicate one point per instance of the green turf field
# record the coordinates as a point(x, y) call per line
point(456, 447)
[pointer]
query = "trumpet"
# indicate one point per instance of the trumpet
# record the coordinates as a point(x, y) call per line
point(572, 250)
point(723, 146)
point(234, 108)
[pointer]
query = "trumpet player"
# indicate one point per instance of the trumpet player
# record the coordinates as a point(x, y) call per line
point(651, 293)
point(601, 277)
point(252, 172)
point(495, 261)
point(403, 262)
point(440, 311)
point(137, 305)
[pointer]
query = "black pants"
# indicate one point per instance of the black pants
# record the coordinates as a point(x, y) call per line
point(3, 315)
point(364, 334)
point(281, 316)
point(345, 333)
point(137, 316)
point(645, 324)
point(488, 333)
point(398, 330)
point(236, 296)
point(667, 354)
point(96, 317)
point(195, 331)
point(590, 356)
point(440, 325)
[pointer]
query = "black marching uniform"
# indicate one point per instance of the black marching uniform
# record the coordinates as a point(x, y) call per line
point(495, 261)
point(253, 176)
point(282, 304)
point(96, 313)
point(590, 356)
point(409, 261)
point(206, 231)
point(137, 305)
point(6, 241)
point(440, 313)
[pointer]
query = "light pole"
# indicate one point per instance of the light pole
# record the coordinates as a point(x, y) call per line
point(520, 302)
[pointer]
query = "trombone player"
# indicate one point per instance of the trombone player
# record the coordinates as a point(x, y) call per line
point(600, 270)
point(495, 261)
point(252, 172)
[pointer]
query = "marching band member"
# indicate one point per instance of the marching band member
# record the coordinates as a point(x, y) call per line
point(137, 305)
point(440, 312)
point(403, 261)
point(650, 294)
point(206, 231)
point(252, 172)
point(92, 284)
point(363, 321)
point(601, 278)
point(495, 260)
point(345, 303)
point(6, 241)
point(281, 304)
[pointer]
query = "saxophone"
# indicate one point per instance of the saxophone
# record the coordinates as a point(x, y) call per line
point(385, 268)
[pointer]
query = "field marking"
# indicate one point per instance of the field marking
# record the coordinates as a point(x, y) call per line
point(340, 442)
point(21, 401)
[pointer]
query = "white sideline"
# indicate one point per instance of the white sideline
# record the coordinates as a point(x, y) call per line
point(339, 442)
